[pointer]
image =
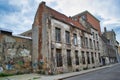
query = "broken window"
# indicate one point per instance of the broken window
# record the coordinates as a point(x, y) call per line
point(74, 39)
point(88, 58)
point(76, 58)
point(59, 58)
point(83, 57)
point(58, 34)
point(69, 61)
point(96, 37)
point(98, 45)
point(86, 42)
point(81, 41)
point(92, 57)
point(90, 41)
point(83, 17)
point(95, 54)
point(99, 57)
point(67, 35)
point(94, 45)
point(93, 35)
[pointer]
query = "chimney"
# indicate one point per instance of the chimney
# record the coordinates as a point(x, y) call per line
point(43, 2)
point(105, 30)
point(112, 30)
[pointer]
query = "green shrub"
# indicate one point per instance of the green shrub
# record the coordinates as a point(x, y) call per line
point(77, 70)
point(5, 74)
point(19, 73)
point(93, 66)
point(85, 68)
point(41, 72)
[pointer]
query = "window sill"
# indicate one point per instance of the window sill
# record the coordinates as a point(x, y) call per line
point(68, 44)
point(58, 42)
point(76, 45)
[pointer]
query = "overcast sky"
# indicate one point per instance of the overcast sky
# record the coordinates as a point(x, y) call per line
point(18, 15)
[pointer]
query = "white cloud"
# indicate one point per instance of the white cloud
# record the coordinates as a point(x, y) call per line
point(108, 10)
point(22, 20)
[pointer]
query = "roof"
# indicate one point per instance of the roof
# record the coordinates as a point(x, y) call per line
point(29, 31)
point(7, 30)
point(85, 12)
point(25, 37)
point(104, 38)
point(57, 15)
point(110, 32)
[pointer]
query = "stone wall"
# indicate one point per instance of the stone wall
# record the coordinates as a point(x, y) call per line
point(15, 54)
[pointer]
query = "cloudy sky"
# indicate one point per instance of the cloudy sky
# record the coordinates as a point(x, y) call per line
point(18, 15)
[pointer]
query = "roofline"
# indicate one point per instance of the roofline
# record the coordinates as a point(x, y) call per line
point(117, 41)
point(7, 30)
point(56, 11)
point(23, 37)
point(71, 25)
point(84, 12)
point(92, 26)
point(25, 31)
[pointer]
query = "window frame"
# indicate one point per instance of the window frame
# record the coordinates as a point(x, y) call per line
point(57, 34)
point(83, 57)
point(90, 43)
point(92, 58)
point(69, 58)
point(75, 42)
point(67, 37)
point(88, 57)
point(59, 60)
point(77, 58)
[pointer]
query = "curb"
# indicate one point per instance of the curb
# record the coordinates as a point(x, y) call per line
point(99, 68)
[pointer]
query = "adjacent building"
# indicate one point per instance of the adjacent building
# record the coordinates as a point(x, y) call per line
point(110, 47)
point(15, 52)
point(119, 53)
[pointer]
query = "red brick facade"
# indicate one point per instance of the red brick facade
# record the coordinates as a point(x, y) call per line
point(95, 23)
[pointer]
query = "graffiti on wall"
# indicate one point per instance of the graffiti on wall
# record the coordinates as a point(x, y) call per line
point(17, 55)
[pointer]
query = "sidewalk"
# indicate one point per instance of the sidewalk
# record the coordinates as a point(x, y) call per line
point(34, 76)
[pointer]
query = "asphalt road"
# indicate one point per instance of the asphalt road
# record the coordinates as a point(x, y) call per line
point(111, 73)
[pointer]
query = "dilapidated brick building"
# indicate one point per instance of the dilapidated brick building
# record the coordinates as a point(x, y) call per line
point(56, 43)
point(65, 44)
